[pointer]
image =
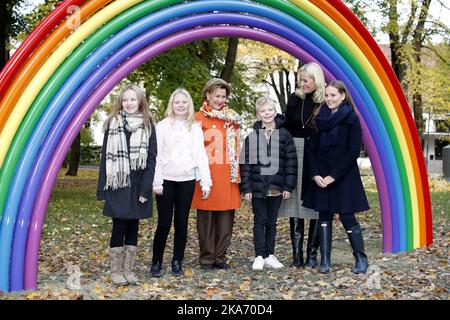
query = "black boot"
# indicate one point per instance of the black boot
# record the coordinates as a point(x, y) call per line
point(312, 244)
point(356, 241)
point(156, 268)
point(325, 231)
point(297, 233)
point(177, 270)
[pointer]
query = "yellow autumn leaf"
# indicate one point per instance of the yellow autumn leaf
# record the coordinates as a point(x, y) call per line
point(188, 273)
point(244, 285)
point(210, 291)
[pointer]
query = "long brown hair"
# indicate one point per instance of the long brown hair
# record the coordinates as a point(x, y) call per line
point(143, 107)
point(342, 89)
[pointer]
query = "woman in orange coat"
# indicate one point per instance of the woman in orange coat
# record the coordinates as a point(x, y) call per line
point(215, 215)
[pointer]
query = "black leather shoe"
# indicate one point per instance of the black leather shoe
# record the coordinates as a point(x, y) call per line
point(222, 265)
point(207, 266)
point(177, 270)
point(155, 269)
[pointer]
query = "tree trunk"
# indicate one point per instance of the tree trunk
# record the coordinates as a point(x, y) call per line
point(275, 87)
point(74, 156)
point(395, 42)
point(3, 35)
point(418, 38)
point(230, 59)
point(418, 113)
point(282, 97)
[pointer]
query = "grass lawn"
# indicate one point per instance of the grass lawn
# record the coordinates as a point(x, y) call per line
point(77, 234)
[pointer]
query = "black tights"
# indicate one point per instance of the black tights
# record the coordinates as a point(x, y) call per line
point(348, 220)
point(124, 231)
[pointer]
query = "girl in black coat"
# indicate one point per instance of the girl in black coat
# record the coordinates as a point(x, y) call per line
point(268, 175)
point(338, 188)
point(126, 174)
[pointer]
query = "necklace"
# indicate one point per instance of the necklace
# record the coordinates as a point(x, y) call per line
point(303, 108)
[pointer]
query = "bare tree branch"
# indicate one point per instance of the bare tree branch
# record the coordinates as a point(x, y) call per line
point(408, 27)
point(434, 50)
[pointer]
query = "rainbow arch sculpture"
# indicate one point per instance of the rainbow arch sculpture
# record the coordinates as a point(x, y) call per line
point(59, 75)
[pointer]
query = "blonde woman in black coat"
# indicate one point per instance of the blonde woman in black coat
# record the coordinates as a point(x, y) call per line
point(338, 188)
point(299, 113)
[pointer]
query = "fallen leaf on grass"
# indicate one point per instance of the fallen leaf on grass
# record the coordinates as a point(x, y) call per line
point(211, 291)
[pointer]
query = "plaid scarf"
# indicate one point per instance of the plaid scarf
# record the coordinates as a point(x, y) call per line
point(231, 118)
point(120, 162)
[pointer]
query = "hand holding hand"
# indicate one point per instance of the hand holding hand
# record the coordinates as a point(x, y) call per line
point(328, 180)
point(320, 181)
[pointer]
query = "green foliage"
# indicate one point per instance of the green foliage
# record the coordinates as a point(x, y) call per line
point(190, 66)
point(15, 20)
point(430, 78)
point(90, 155)
point(86, 136)
point(24, 24)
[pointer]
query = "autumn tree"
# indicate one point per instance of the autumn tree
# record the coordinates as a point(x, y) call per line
point(271, 67)
point(410, 28)
point(11, 24)
point(190, 66)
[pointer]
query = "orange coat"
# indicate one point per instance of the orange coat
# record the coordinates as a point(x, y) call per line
point(224, 194)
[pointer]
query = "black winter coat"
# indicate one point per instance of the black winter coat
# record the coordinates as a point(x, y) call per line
point(124, 202)
point(293, 123)
point(346, 194)
point(268, 165)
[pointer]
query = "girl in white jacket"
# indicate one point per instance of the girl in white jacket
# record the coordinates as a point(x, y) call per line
point(180, 161)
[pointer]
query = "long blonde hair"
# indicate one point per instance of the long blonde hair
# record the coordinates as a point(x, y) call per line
point(190, 114)
point(143, 108)
point(314, 71)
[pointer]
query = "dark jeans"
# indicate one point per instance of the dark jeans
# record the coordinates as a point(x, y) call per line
point(175, 202)
point(348, 220)
point(124, 231)
point(265, 213)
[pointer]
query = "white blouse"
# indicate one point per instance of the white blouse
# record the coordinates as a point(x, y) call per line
point(180, 152)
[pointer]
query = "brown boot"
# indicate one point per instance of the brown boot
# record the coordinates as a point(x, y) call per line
point(130, 259)
point(117, 257)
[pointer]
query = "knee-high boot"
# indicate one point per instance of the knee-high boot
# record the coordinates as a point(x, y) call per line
point(297, 227)
point(117, 265)
point(356, 241)
point(312, 244)
point(130, 260)
point(325, 232)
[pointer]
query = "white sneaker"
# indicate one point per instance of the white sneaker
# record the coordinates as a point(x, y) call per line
point(272, 262)
point(258, 264)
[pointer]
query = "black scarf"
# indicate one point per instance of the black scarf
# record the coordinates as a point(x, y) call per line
point(328, 125)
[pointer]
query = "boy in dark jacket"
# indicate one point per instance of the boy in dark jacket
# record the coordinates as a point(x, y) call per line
point(268, 175)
